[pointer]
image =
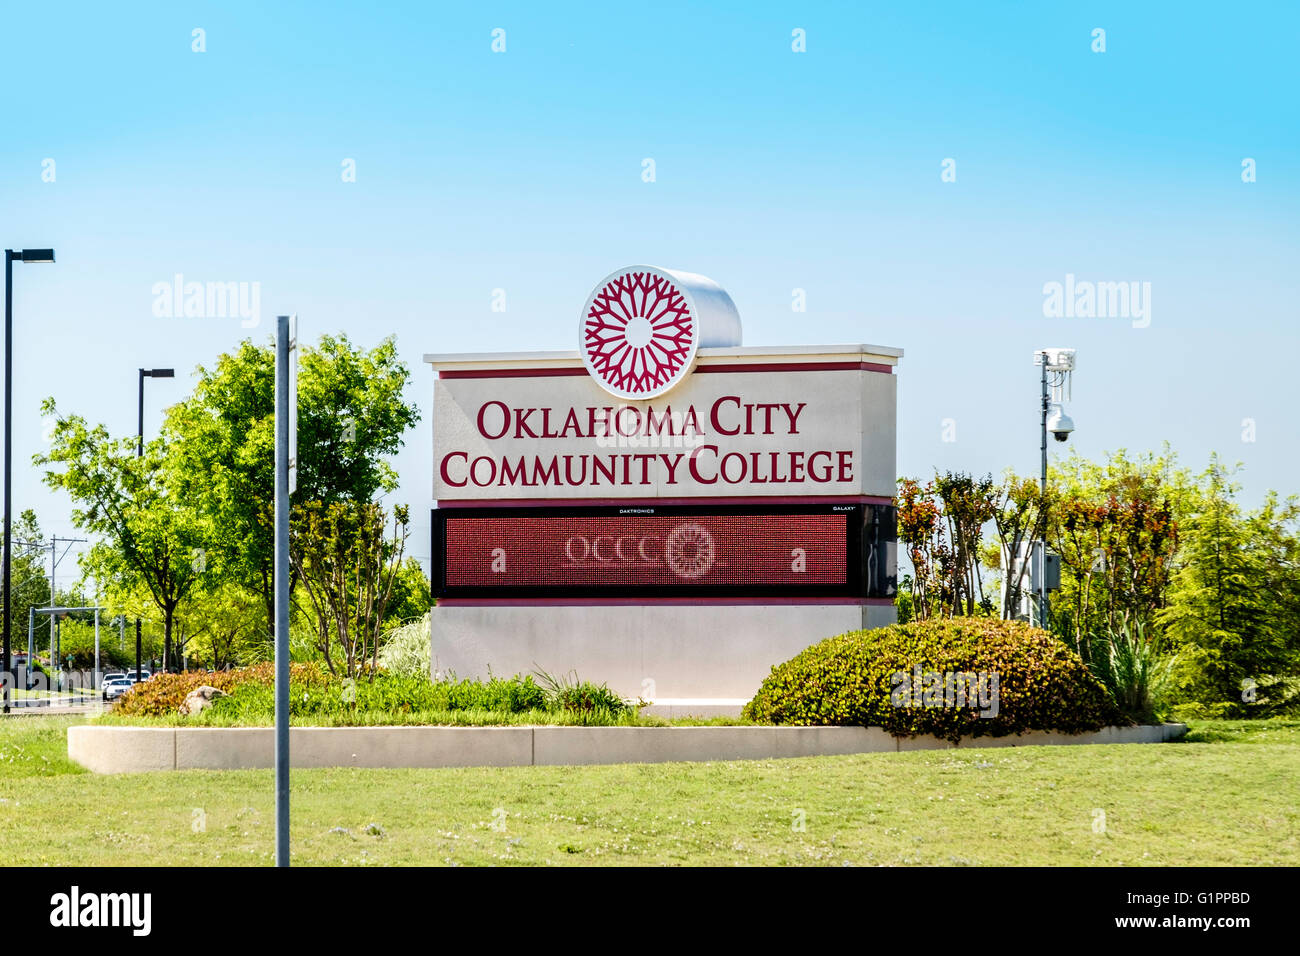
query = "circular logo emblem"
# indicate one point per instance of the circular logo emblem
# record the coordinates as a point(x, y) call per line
point(639, 333)
point(689, 550)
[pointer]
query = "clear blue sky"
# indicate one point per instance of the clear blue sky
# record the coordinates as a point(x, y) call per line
point(775, 170)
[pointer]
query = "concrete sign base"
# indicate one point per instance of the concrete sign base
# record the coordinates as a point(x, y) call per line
point(648, 651)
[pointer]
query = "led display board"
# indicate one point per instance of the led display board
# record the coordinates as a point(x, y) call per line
point(662, 551)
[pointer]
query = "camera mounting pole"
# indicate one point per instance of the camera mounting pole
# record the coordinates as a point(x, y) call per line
point(1042, 510)
point(1060, 362)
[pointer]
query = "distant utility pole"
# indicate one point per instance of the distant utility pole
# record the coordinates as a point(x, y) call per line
point(55, 560)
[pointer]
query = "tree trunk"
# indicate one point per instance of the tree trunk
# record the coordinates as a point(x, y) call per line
point(268, 600)
point(168, 614)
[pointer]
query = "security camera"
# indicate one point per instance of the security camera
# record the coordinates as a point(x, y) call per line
point(1059, 424)
point(1059, 360)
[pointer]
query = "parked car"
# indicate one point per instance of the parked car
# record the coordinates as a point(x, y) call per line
point(115, 687)
point(129, 674)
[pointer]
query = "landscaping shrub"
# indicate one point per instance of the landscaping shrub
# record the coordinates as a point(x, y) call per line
point(387, 694)
point(582, 698)
point(406, 649)
point(313, 692)
point(163, 694)
point(1134, 670)
point(853, 680)
point(512, 695)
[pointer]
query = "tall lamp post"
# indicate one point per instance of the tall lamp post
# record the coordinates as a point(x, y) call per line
point(139, 453)
point(1057, 374)
point(24, 255)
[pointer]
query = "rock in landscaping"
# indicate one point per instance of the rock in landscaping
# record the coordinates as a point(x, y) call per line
point(200, 699)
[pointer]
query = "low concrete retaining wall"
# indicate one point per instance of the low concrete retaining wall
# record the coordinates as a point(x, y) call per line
point(134, 749)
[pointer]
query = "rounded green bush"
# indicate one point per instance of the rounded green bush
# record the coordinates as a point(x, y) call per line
point(898, 678)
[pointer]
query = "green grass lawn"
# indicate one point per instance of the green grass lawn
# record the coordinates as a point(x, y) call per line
point(1226, 796)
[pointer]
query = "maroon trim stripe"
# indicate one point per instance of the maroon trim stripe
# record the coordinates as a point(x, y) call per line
point(511, 372)
point(648, 602)
point(644, 502)
point(738, 367)
point(798, 367)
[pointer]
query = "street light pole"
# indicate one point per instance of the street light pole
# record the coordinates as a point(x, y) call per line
point(9, 391)
point(25, 255)
point(139, 431)
point(139, 453)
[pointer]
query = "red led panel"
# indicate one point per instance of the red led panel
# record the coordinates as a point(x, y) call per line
point(646, 550)
point(636, 551)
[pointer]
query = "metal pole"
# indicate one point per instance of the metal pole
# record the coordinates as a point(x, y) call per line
point(282, 591)
point(1042, 544)
point(95, 680)
point(9, 394)
point(54, 668)
point(139, 430)
point(31, 645)
point(139, 453)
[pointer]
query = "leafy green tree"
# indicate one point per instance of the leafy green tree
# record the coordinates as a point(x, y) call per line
point(1234, 605)
point(150, 536)
point(941, 525)
point(1017, 521)
point(412, 595)
point(77, 644)
point(350, 417)
point(1115, 525)
point(1077, 476)
point(968, 504)
point(226, 628)
point(920, 531)
point(127, 600)
point(347, 566)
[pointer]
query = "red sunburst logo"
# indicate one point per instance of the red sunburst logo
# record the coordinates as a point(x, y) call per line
point(639, 333)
